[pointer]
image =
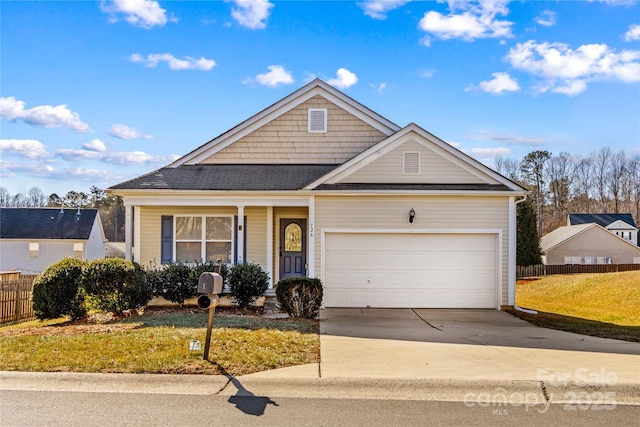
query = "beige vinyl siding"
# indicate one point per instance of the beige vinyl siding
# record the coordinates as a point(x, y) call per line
point(594, 242)
point(256, 235)
point(287, 140)
point(432, 213)
point(434, 169)
point(150, 226)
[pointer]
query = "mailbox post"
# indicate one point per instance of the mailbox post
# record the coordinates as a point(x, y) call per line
point(210, 285)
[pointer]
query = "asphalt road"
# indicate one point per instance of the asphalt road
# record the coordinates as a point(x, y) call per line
point(39, 408)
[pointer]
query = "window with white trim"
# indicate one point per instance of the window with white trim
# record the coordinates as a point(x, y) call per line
point(317, 120)
point(34, 250)
point(200, 238)
point(78, 250)
point(411, 163)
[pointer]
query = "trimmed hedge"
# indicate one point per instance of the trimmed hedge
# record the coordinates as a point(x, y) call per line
point(116, 285)
point(247, 282)
point(178, 282)
point(57, 291)
point(300, 297)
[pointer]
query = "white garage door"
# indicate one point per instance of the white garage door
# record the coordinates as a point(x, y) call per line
point(411, 270)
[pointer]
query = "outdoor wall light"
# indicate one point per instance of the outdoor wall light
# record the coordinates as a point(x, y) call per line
point(412, 215)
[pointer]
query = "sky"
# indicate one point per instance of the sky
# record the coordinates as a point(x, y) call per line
point(99, 92)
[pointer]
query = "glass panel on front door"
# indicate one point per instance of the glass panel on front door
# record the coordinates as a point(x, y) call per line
point(293, 238)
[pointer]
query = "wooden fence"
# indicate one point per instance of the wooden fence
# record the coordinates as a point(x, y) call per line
point(542, 270)
point(15, 299)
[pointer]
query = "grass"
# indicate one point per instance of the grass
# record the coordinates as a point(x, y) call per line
point(604, 305)
point(158, 342)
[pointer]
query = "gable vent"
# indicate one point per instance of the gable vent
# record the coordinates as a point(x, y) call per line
point(317, 120)
point(411, 163)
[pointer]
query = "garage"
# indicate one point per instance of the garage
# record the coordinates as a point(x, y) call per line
point(411, 270)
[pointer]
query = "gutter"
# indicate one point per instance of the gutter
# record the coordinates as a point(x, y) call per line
point(524, 310)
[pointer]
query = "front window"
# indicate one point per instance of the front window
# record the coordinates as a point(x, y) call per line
point(204, 238)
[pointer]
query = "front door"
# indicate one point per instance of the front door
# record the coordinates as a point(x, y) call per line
point(293, 247)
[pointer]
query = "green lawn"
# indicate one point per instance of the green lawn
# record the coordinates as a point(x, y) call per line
point(605, 305)
point(158, 342)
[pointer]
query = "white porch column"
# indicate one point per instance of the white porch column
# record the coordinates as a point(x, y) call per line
point(311, 261)
point(128, 217)
point(270, 247)
point(240, 247)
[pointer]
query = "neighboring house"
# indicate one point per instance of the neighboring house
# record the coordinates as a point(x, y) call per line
point(31, 239)
point(587, 244)
point(319, 185)
point(620, 224)
point(114, 250)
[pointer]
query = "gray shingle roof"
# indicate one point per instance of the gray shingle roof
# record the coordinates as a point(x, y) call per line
point(231, 177)
point(46, 223)
point(601, 219)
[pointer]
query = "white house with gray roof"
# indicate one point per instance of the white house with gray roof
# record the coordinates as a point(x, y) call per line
point(319, 185)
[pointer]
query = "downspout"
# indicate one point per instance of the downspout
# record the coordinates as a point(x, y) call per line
point(524, 310)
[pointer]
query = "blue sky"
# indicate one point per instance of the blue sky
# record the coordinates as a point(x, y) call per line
point(95, 93)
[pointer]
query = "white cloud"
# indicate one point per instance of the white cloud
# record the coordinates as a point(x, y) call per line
point(276, 76)
point(141, 13)
point(379, 88)
point(187, 63)
point(93, 151)
point(251, 14)
point(43, 115)
point(13, 169)
point(125, 132)
point(484, 154)
point(377, 9)
point(547, 18)
point(502, 82)
point(344, 79)
point(633, 33)
point(27, 148)
point(468, 20)
point(507, 138)
point(95, 145)
point(568, 71)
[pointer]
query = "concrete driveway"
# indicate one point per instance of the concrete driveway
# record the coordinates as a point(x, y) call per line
point(465, 344)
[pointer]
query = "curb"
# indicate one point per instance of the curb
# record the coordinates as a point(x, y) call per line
point(471, 392)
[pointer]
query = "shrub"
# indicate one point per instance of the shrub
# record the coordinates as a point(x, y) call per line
point(58, 292)
point(198, 269)
point(300, 296)
point(247, 282)
point(174, 283)
point(116, 285)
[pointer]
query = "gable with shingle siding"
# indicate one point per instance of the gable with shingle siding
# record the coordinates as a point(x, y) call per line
point(287, 140)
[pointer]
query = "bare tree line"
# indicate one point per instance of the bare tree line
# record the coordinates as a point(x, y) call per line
point(601, 182)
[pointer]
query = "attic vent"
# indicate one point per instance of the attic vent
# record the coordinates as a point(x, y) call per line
point(317, 120)
point(411, 163)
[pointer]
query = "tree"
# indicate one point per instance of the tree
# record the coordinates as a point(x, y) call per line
point(559, 176)
point(5, 197)
point(532, 174)
point(527, 238)
point(600, 169)
point(36, 198)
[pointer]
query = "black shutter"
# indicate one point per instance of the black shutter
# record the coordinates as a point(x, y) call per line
point(166, 240)
point(235, 240)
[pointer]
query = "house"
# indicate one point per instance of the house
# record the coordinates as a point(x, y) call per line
point(31, 239)
point(319, 185)
point(620, 224)
point(588, 243)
